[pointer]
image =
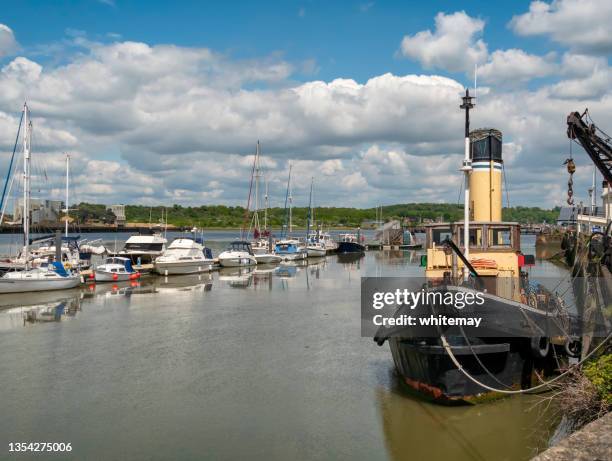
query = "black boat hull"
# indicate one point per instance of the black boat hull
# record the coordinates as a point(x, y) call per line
point(427, 370)
point(350, 247)
point(518, 342)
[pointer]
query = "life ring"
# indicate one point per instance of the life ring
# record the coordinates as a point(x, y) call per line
point(539, 346)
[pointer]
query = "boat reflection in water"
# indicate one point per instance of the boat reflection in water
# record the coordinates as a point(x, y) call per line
point(193, 282)
point(236, 277)
point(463, 432)
point(351, 259)
point(398, 257)
point(21, 309)
point(289, 269)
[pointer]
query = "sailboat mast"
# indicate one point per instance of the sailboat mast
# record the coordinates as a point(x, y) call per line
point(26, 186)
point(266, 204)
point(309, 210)
point(257, 175)
point(287, 215)
point(290, 203)
point(467, 168)
point(67, 186)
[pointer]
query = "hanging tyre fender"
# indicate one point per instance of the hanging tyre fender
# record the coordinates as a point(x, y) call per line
point(539, 346)
point(573, 347)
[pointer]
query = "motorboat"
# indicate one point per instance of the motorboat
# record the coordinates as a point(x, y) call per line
point(316, 249)
point(349, 243)
point(239, 253)
point(184, 256)
point(290, 250)
point(267, 258)
point(115, 269)
point(143, 248)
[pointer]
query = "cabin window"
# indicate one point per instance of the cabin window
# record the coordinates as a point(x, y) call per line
point(113, 270)
point(500, 237)
point(438, 236)
point(143, 246)
point(475, 237)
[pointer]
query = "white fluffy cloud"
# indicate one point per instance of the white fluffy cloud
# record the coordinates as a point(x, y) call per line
point(453, 46)
point(579, 24)
point(168, 124)
point(8, 44)
point(516, 66)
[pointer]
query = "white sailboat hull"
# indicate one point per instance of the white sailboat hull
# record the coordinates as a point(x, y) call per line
point(27, 284)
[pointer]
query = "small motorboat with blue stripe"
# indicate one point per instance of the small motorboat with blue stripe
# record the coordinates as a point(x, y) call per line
point(115, 269)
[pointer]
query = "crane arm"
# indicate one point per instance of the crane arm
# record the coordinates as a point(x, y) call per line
point(598, 147)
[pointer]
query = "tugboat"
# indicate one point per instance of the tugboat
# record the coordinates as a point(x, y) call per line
point(524, 327)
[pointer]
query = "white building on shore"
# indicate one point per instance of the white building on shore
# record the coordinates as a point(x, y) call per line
point(596, 218)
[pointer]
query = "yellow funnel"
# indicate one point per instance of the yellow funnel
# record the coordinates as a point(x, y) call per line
point(486, 175)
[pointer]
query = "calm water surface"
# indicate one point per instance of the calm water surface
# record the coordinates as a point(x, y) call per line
point(263, 364)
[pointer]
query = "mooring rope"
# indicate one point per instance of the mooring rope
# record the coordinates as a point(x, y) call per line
point(459, 367)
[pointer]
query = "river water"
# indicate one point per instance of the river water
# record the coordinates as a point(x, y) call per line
point(268, 364)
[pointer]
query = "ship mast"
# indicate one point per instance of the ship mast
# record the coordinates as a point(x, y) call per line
point(26, 186)
point(257, 176)
point(67, 185)
point(290, 203)
point(467, 168)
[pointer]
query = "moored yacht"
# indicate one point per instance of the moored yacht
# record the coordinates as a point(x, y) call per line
point(143, 249)
point(184, 256)
point(115, 269)
point(315, 249)
point(349, 243)
point(49, 276)
point(239, 253)
point(290, 250)
point(331, 246)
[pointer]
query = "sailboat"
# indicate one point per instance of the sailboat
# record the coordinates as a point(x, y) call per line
point(315, 248)
point(262, 245)
point(289, 249)
point(49, 276)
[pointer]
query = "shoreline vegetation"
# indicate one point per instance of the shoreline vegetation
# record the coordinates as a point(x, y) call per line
point(232, 217)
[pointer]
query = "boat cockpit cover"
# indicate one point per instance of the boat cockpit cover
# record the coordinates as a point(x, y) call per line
point(59, 269)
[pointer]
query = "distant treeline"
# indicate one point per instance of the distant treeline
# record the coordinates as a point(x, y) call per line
point(233, 216)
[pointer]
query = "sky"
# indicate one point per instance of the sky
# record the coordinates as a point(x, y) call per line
point(163, 102)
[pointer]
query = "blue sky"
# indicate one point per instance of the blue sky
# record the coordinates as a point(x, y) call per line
point(355, 40)
point(162, 102)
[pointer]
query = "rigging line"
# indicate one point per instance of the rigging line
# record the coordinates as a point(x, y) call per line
point(461, 184)
point(10, 168)
point(5, 203)
point(506, 185)
point(246, 211)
